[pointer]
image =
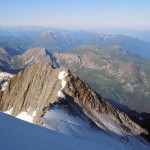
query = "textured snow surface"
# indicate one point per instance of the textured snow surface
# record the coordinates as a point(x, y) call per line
point(77, 134)
point(16, 134)
point(59, 120)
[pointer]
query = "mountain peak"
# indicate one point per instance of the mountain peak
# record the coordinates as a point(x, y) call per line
point(33, 56)
point(42, 84)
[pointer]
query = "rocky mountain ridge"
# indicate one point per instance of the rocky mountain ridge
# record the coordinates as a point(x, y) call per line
point(63, 40)
point(33, 56)
point(31, 91)
point(111, 71)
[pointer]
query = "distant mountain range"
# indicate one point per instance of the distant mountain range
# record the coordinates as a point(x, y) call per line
point(63, 40)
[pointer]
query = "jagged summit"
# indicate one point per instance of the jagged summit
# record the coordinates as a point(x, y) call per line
point(31, 93)
point(32, 89)
point(33, 56)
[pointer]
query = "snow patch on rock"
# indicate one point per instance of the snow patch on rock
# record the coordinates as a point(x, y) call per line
point(4, 78)
point(62, 75)
point(5, 74)
point(23, 115)
point(9, 111)
point(60, 94)
point(3, 86)
point(26, 116)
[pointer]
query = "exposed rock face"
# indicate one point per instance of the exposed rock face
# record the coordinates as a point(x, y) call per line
point(31, 91)
point(143, 119)
point(95, 107)
point(33, 56)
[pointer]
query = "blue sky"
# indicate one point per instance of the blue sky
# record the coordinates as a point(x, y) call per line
point(76, 13)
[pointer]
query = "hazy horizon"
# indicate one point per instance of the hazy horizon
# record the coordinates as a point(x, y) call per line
point(85, 14)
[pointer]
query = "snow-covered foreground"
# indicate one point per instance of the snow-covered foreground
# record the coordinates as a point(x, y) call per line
point(59, 119)
point(66, 131)
point(16, 134)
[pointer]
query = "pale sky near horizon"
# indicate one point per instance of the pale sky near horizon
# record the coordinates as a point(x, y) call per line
point(76, 13)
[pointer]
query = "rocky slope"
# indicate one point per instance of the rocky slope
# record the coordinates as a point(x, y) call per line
point(32, 56)
point(6, 54)
point(4, 58)
point(31, 91)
